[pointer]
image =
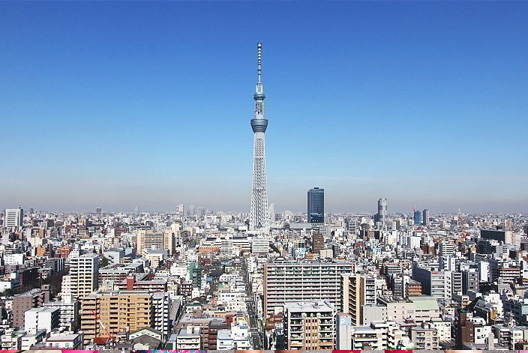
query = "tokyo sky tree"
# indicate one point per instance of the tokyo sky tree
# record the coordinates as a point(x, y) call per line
point(258, 217)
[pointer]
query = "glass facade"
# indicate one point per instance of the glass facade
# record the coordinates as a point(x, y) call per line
point(315, 209)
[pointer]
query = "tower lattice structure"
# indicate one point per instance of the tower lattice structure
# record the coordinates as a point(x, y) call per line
point(259, 217)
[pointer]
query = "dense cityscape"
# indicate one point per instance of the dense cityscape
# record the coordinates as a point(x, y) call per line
point(381, 207)
point(195, 279)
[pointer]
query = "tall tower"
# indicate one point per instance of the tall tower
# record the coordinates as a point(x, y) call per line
point(425, 215)
point(258, 216)
point(315, 208)
point(381, 216)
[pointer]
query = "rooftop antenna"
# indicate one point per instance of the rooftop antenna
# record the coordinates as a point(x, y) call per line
point(259, 60)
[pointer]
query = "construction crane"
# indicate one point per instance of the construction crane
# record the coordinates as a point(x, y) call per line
point(110, 338)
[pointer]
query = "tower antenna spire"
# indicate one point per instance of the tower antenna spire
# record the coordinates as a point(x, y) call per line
point(259, 212)
point(259, 60)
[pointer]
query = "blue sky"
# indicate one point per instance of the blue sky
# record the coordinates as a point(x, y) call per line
point(117, 104)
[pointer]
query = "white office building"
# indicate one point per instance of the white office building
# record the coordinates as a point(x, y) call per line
point(43, 318)
point(13, 217)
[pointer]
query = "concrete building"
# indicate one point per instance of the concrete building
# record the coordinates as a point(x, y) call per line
point(148, 239)
point(188, 338)
point(366, 338)
point(398, 309)
point(69, 341)
point(446, 249)
point(236, 338)
point(224, 341)
point(42, 319)
point(456, 283)
point(119, 272)
point(470, 281)
point(424, 338)
point(161, 306)
point(432, 280)
point(344, 332)
point(34, 298)
point(259, 246)
point(372, 313)
point(517, 308)
point(233, 301)
point(358, 290)
point(84, 272)
point(121, 311)
point(32, 338)
point(318, 243)
point(12, 339)
point(55, 263)
point(114, 255)
point(309, 325)
point(503, 236)
point(425, 309)
point(154, 256)
point(413, 289)
point(303, 281)
point(69, 312)
point(13, 217)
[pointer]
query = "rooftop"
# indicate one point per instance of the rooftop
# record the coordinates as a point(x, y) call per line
point(311, 306)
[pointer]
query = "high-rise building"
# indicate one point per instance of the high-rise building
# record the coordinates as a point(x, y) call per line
point(180, 211)
point(136, 211)
point(272, 213)
point(302, 281)
point(258, 215)
point(425, 215)
point(315, 209)
point(13, 217)
point(417, 218)
point(98, 210)
point(358, 290)
point(309, 325)
point(84, 273)
point(381, 216)
point(161, 305)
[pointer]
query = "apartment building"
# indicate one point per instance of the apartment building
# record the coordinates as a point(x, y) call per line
point(34, 298)
point(69, 312)
point(303, 281)
point(424, 338)
point(309, 325)
point(83, 277)
point(148, 239)
point(42, 319)
point(122, 311)
point(358, 290)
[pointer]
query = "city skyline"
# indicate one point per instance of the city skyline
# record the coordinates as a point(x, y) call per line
point(117, 105)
